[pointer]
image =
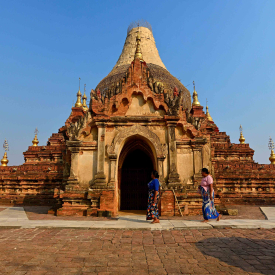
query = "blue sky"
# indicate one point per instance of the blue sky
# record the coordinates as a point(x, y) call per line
point(227, 47)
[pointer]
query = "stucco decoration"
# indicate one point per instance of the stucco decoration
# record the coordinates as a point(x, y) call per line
point(113, 149)
point(75, 129)
point(173, 101)
point(197, 122)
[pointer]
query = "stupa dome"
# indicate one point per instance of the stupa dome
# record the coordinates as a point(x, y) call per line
point(150, 56)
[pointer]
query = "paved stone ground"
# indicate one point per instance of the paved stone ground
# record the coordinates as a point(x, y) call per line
point(80, 251)
point(41, 213)
point(244, 212)
point(269, 212)
point(17, 217)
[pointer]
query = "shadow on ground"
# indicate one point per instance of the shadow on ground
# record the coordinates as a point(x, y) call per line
point(251, 255)
point(37, 209)
point(134, 220)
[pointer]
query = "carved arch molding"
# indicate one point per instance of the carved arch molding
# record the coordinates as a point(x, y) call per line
point(113, 149)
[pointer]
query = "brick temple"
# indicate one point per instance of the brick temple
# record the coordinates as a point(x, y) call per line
point(140, 118)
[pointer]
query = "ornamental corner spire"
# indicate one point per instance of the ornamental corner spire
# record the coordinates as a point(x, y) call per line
point(208, 116)
point(84, 98)
point(195, 97)
point(78, 101)
point(35, 140)
point(271, 147)
point(242, 138)
point(4, 160)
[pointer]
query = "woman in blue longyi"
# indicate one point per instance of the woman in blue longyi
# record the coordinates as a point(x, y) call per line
point(153, 198)
point(207, 192)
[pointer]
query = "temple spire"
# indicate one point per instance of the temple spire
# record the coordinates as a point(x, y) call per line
point(78, 101)
point(207, 113)
point(84, 98)
point(271, 147)
point(5, 160)
point(138, 53)
point(241, 139)
point(35, 140)
point(195, 97)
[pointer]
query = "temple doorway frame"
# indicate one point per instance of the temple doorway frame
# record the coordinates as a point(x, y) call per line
point(114, 151)
point(132, 144)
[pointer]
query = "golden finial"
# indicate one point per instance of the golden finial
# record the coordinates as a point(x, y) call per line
point(5, 160)
point(241, 139)
point(78, 101)
point(271, 147)
point(207, 112)
point(138, 53)
point(195, 97)
point(84, 98)
point(35, 140)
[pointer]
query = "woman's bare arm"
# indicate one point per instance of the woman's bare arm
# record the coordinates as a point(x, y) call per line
point(211, 191)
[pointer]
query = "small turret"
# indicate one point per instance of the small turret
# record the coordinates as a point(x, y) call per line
point(207, 113)
point(195, 97)
point(78, 101)
point(4, 160)
point(271, 147)
point(241, 139)
point(35, 140)
point(84, 98)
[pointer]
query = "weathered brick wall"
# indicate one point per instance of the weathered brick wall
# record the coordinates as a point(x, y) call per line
point(87, 202)
point(167, 203)
point(240, 180)
point(30, 184)
point(39, 180)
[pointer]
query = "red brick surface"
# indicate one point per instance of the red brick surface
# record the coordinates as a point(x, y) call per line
point(71, 251)
point(39, 179)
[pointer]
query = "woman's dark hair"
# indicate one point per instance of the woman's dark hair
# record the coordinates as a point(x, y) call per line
point(205, 170)
point(155, 174)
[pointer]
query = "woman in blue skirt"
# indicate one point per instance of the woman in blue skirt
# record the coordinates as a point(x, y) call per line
point(153, 198)
point(207, 191)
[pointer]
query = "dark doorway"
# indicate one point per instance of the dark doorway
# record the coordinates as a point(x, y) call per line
point(135, 175)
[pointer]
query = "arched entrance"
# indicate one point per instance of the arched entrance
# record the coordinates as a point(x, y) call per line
point(135, 165)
